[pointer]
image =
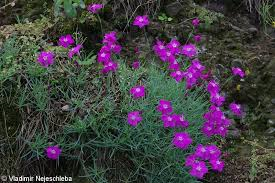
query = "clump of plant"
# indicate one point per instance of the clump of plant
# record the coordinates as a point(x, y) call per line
point(164, 18)
point(205, 15)
point(68, 6)
point(159, 117)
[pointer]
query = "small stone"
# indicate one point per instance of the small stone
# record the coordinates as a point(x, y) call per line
point(273, 101)
point(253, 30)
point(271, 123)
point(237, 63)
point(173, 9)
point(270, 131)
point(65, 108)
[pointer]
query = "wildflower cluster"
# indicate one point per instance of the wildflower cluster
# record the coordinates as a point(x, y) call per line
point(104, 56)
point(197, 160)
point(170, 120)
point(216, 123)
point(46, 58)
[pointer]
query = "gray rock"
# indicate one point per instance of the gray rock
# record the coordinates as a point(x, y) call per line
point(270, 131)
point(253, 30)
point(237, 63)
point(65, 108)
point(273, 101)
point(271, 66)
point(173, 9)
point(271, 123)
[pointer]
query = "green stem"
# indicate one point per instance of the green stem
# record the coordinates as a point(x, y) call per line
point(99, 19)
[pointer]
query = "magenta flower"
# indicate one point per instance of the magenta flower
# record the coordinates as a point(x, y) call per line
point(217, 164)
point(168, 121)
point(189, 50)
point(110, 37)
point(159, 48)
point(190, 160)
point(214, 151)
point(134, 118)
point(168, 56)
point(196, 22)
point(177, 75)
point(197, 38)
point(197, 65)
point(199, 169)
point(136, 64)
point(173, 46)
point(217, 99)
point(141, 21)
point(75, 50)
point(235, 109)
point(138, 91)
point(104, 57)
point(202, 152)
point(180, 121)
point(46, 58)
point(94, 8)
point(182, 140)
point(213, 87)
point(237, 71)
point(66, 41)
point(115, 48)
point(208, 129)
point(109, 66)
point(216, 122)
point(221, 130)
point(174, 65)
point(105, 49)
point(53, 152)
point(164, 107)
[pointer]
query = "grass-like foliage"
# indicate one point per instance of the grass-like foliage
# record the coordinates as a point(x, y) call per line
point(93, 131)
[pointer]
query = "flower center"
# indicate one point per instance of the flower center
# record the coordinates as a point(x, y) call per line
point(138, 90)
point(198, 168)
point(65, 39)
point(174, 45)
point(180, 138)
point(103, 55)
point(53, 151)
point(178, 73)
point(165, 106)
point(169, 119)
point(45, 57)
point(141, 20)
point(188, 49)
point(110, 64)
point(133, 117)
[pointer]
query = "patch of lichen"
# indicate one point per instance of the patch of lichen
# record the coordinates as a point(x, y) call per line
point(33, 30)
point(207, 16)
point(19, 44)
